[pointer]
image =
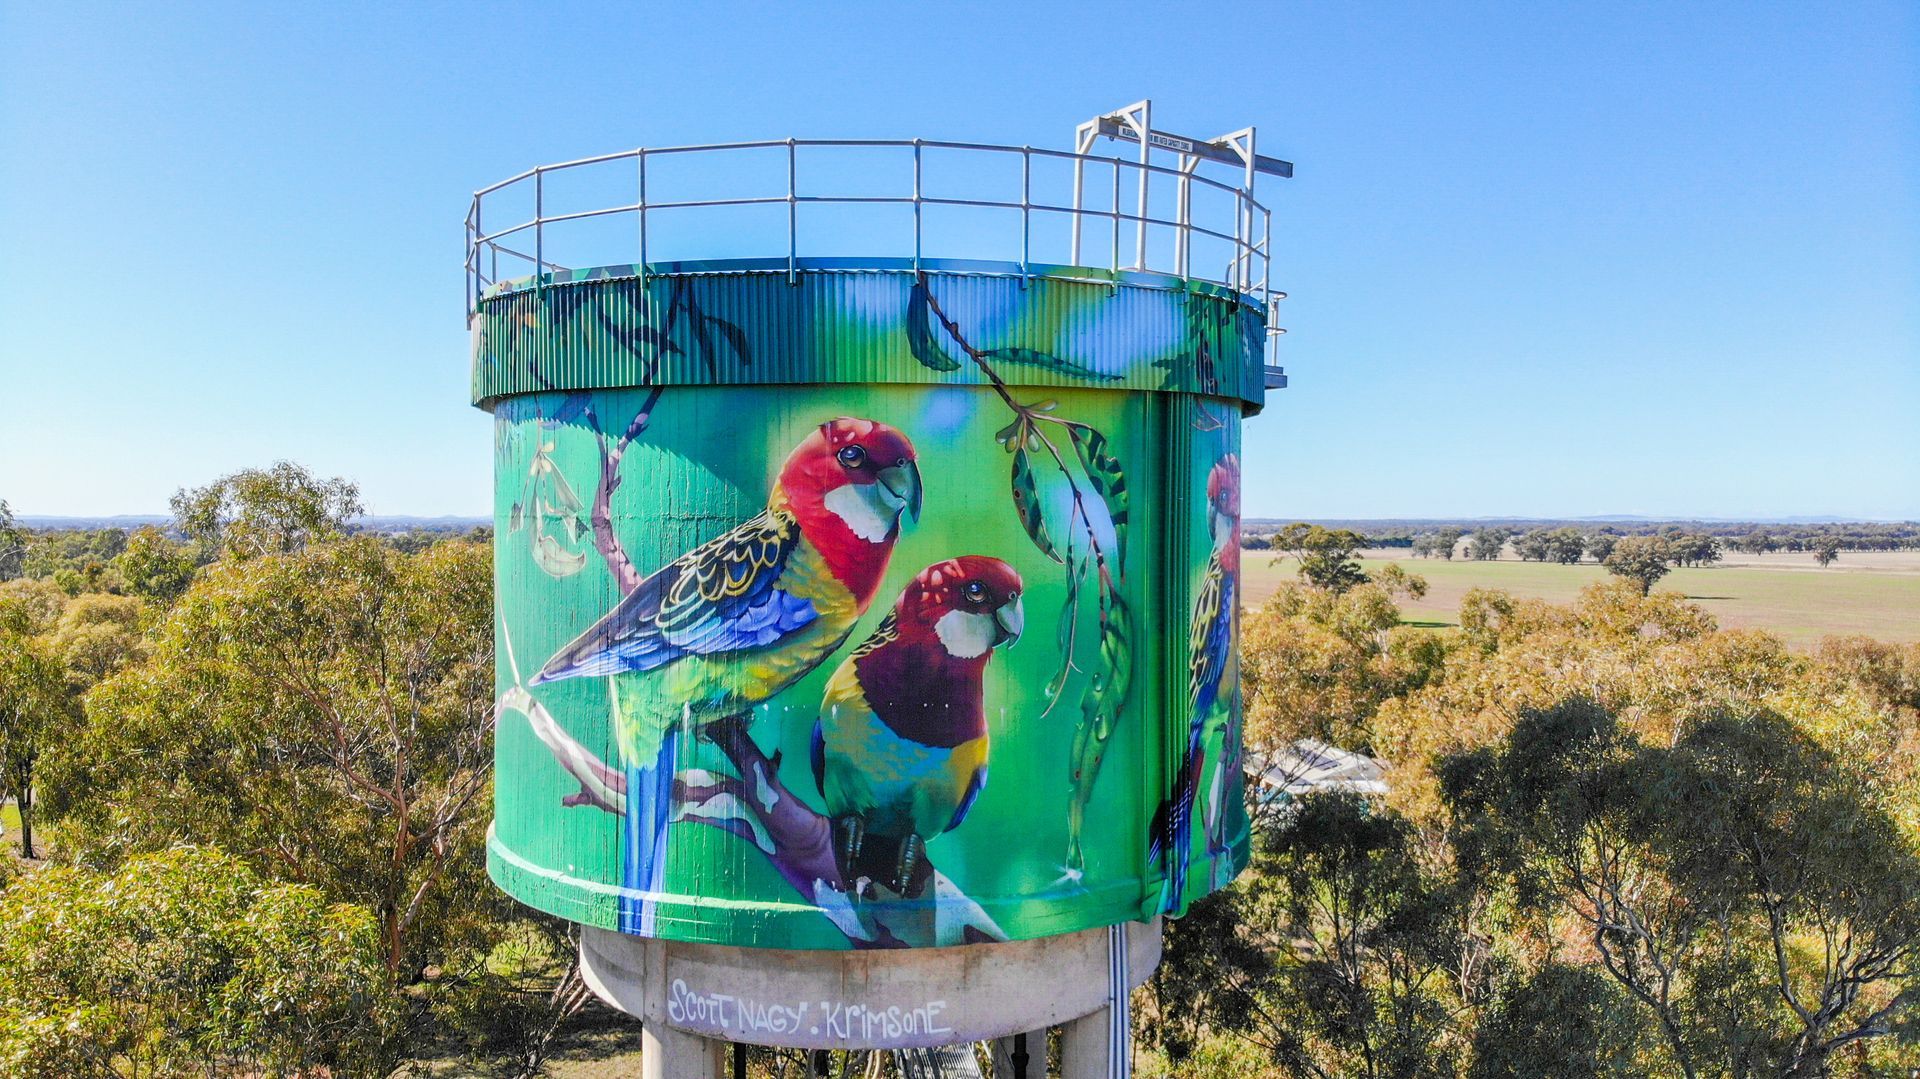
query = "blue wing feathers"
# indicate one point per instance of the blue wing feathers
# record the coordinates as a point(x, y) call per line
point(818, 752)
point(723, 596)
point(974, 786)
point(1219, 641)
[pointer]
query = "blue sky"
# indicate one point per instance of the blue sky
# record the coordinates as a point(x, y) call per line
point(1652, 259)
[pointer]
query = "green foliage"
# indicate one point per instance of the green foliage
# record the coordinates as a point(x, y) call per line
point(255, 512)
point(1211, 973)
point(13, 544)
point(1641, 559)
point(1369, 946)
point(1486, 543)
point(1561, 1022)
point(185, 963)
point(1317, 664)
point(1326, 556)
point(96, 635)
point(1826, 550)
point(1563, 545)
point(325, 714)
point(1742, 886)
point(77, 559)
point(36, 711)
point(154, 567)
point(1694, 548)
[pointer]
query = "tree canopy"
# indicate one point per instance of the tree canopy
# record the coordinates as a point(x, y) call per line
point(255, 511)
point(185, 962)
point(1325, 556)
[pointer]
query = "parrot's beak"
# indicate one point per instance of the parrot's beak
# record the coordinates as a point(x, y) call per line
point(902, 482)
point(1011, 618)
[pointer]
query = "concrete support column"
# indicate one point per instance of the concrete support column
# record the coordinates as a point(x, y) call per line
point(1004, 1065)
point(666, 1053)
point(1085, 1047)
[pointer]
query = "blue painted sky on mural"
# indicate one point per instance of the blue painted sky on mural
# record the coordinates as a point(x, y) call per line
point(1627, 260)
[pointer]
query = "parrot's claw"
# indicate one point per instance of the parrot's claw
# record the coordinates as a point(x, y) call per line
point(910, 850)
point(849, 835)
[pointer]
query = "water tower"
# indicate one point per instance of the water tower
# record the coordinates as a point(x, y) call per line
point(867, 567)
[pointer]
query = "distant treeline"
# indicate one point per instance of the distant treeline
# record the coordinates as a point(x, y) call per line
point(95, 559)
point(1553, 541)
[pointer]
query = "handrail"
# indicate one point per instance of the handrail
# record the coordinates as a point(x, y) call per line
point(1247, 234)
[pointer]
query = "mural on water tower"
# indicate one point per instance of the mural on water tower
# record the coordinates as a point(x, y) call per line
point(851, 653)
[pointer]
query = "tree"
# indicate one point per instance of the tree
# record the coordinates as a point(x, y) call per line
point(1641, 559)
point(36, 708)
point(256, 512)
point(1694, 548)
point(95, 636)
point(1600, 545)
point(1563, 1021)
point(1445, 540)
point(79, 557)
point(1325, 556)
point(326, 715)
point(186, 963)
point(1533, 545)
point(13, 544)
point(1485, 543)
point(1566, 545)
point(1826, 550)
point(1209, 978)
point(1758, 542)
point(1317, 664)
point(154, 567)
point(1743, 886)
point(1367, 945)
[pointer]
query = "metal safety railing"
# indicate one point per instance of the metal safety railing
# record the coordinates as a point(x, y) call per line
point(1243, 229)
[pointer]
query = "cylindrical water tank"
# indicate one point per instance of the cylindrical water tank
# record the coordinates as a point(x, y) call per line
point(850, 603)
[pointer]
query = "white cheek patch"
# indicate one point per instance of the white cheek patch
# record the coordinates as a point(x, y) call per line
point(964, 634)
point(859, 508)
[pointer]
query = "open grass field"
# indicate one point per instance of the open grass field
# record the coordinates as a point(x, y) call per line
point(1871, 593)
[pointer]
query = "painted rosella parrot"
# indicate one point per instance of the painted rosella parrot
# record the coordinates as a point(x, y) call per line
point(1213, 673)
point(900, 749)
point(739, 618)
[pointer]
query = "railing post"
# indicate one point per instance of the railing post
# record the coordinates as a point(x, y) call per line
point(1079, 184)
point(1026, 213)
point(539, 226)
point(640, 206)
point(1113, 264)
point(793, 218)
point(916, 206)
point(473, 254)
point(1239, 242)
point(1266, 253)
point(1183, 214)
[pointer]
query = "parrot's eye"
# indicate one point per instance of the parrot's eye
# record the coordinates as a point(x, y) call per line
point(976, 592)
point(852, 456)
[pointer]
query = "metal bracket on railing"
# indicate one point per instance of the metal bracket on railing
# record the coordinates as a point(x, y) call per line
point(1133, 124)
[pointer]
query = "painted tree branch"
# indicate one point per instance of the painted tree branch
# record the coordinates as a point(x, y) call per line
point(625, 576)
point(755, 806)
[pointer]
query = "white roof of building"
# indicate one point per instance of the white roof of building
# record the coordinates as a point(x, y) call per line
point(1309, 765)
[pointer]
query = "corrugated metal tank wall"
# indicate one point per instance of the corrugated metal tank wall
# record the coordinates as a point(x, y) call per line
point(707, 688)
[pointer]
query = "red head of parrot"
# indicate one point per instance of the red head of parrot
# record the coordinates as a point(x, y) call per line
point(847, 483)
point(1223, 508)
point(923, 675)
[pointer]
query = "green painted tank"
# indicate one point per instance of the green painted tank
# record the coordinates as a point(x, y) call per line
point(876, 603)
